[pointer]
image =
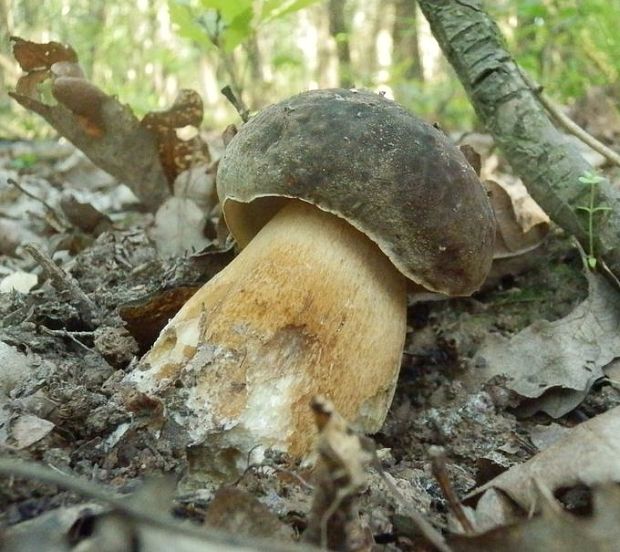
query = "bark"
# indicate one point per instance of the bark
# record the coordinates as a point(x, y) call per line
point(339, 31)
point(541, 155)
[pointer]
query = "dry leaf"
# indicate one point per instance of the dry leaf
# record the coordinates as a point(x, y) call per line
point(177, 155)
point(21, 282)
point(340, 475)
point(178, 227)
point(96, 123)
point(198, 184)
point(84, 216)
point(557, 362)
point(14, 368)
point(32, 56)
point(26, 430)
point(554, 529)
point(147, 316)
point(240, 513)
point(521, 223)
point(588, 454)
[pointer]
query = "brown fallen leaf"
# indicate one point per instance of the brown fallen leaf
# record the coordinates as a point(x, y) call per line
point(177, 155)
point(84, 216)
point(146, 155)
point(554, 364)
point(588, 454)
point(240, 513)
point(340, 475)
point(32, 56)
point(554, 529)
point(178, 227)
point(146, 317)
point(26, 429)
point(521, 223)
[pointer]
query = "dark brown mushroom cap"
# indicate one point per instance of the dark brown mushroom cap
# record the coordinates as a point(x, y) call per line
point(366, 159)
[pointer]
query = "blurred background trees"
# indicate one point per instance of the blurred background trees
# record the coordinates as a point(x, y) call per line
point(145, 51)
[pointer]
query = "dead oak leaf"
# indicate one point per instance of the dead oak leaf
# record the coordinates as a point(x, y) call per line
point(554, 529)
point(587, 454)
point(106, 131)
point(177, 155)
point(554, 364)
point(32, 55)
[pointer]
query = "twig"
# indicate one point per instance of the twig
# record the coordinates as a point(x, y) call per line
point(438, 463)
point(569, 124)
point(71, 335)
point(430, 533)
point(31, 470)
point(64, 282)
point(62, 223)
point(290, 473)
point(237, 103)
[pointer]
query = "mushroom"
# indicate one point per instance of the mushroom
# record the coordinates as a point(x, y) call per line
point(339, 199)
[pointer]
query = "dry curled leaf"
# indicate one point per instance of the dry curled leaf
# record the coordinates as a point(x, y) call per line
point(554, 364)
point(521, 223)
point(146, 317)
point(177, 155)
point(31, 55)
point(587, 454)
point(340, 476)
point(98, 124)
point(554, 529)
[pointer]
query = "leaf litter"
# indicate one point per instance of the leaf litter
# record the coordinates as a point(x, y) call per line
point(61, 404)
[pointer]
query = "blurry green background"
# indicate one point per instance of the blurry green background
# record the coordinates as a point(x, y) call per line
point(145, 51)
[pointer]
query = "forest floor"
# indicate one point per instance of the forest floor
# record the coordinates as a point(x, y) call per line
point(61, 363)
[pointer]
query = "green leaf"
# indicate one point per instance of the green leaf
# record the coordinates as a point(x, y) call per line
point(188, 26)
point(229, 9)
point(591, 262)
point(591, 178)
point(275, 9)
point(238, 31)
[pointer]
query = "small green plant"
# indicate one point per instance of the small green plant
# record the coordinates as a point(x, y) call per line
point(592, 180)
point(24, 161)
point(228, 23)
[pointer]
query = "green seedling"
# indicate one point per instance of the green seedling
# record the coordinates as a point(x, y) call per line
point(592, 180)
point(24, 161)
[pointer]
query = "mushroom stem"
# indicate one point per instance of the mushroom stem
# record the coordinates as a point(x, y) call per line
point(310, 306)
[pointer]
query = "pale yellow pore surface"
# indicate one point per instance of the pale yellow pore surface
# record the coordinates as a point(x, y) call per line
point(310, 306)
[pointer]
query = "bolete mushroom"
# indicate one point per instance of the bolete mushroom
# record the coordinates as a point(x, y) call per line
point(338, 198)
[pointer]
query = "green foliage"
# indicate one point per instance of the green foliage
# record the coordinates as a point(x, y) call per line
point(225, 23)
point(592, 180)
point(24, 161)
point(145, 51)
point(568, 45)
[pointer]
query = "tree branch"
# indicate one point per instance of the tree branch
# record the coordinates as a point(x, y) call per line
point(549, 165)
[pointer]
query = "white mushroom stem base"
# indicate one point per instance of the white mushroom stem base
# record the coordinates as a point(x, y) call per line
point(310, 306)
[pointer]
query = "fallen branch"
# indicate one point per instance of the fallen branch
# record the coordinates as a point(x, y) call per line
point(64, 282)
point(538, 152)
point(570, 125)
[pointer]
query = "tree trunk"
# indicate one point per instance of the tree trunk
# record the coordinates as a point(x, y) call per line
point(541, 155)
point(339, 31)
point(405, 36)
